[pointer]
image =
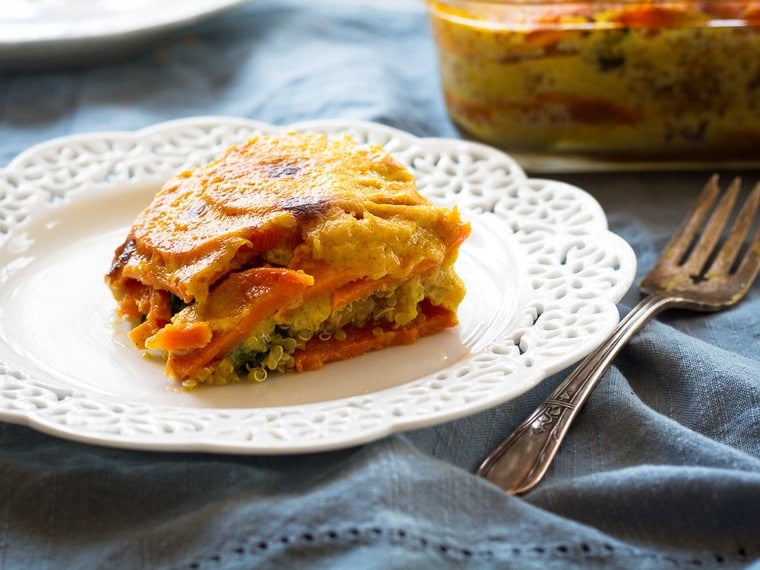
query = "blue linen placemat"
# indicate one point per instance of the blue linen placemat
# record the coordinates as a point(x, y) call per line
point(662, 469)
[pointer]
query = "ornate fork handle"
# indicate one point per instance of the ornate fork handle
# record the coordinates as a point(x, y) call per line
point(522, 459)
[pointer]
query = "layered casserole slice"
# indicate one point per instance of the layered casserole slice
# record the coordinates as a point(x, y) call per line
point(287, 252)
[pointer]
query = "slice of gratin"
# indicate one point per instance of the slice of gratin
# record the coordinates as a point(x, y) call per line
point(287, 252)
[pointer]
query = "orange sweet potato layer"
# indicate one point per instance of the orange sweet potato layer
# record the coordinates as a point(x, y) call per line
point(248, 297)
point(319, 352)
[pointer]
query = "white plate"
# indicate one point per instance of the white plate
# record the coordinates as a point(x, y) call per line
point(542, 271)
point(55, 32)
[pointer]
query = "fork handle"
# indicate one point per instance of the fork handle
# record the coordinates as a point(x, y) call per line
point(521, 460)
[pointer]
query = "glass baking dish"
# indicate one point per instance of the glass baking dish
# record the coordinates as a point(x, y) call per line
point(624, 82)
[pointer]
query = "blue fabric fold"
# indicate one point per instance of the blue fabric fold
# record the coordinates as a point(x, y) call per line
point(661, 470)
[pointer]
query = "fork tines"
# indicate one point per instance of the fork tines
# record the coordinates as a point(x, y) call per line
point(703, 251)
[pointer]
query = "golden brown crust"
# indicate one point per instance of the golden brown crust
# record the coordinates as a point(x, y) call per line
point(257, 197)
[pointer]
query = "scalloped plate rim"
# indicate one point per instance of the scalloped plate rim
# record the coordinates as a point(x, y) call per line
point(169, 442)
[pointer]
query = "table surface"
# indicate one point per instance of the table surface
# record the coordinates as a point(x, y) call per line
point(661, 470)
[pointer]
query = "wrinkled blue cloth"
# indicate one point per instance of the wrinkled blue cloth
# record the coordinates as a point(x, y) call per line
point(661, 470)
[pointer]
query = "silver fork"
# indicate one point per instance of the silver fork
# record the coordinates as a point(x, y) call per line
point(699, 269)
